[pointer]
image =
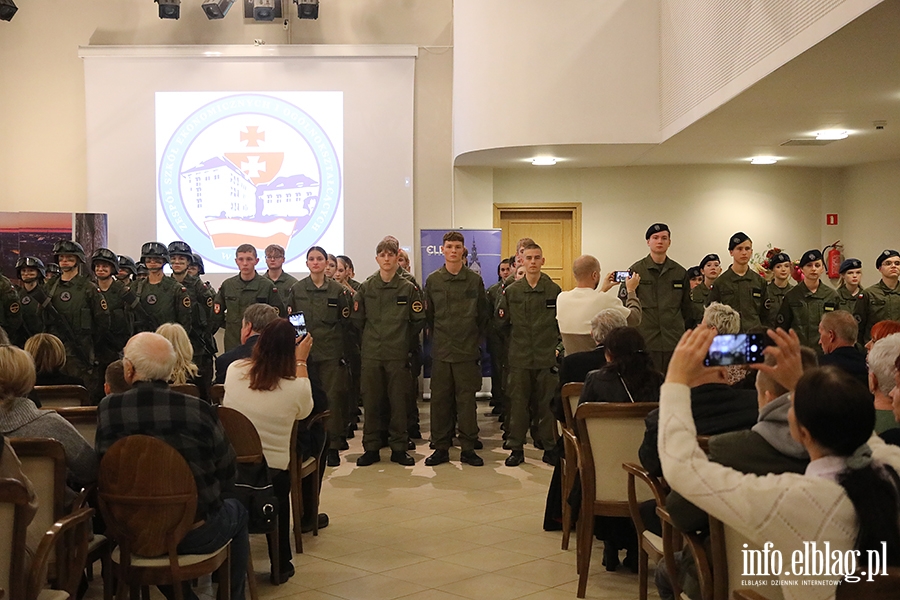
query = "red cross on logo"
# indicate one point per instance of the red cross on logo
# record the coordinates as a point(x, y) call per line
point(253, 136)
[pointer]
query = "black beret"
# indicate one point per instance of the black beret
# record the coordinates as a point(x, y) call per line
point(810, 256)
point(694, 272)
point(850, 263)
point(656, 228)
point(708, 258)
point(779, 258)
point(884, 256)
point(739, 238)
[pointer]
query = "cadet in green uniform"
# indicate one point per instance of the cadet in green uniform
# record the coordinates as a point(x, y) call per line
point(352, 340)
point(238, 292)
point(807, 301)
point(201, 295)
point(740, 287)
point(881, 301)
point(30, 270)
point(282, 280)
point(528, 309)
point(75, 312)
point(781, 266)
point(127, 269)
point(710, 270)
point(850, 286)
point(53, 271)
point(496, 343)
point(664, 296)
point(457, 313)
point(10, 317)
point(159, 299)
point(326, 305)
point(105, 265)
point(389, 310)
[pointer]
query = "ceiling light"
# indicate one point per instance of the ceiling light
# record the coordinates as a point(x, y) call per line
point(307, 9)
point(832, 134)
point(543, 161)
point(8, 8)
point(169, 9)
point(216, 9)
point(264, 10)
point(763, 160)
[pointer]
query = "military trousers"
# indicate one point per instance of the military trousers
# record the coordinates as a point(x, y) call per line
point(498, 359)
point(529, 392)
point(333, 378)
point(453, 389)
point(661, 360)
point(385, 391)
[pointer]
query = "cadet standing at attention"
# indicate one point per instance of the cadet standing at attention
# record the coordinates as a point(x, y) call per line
point(105, 265)
point(740, 287)
point(30, 270)
point(881, 302)
point(664, 296)
point(389, 310)
point(781, 266)
point(127, 268)
point(457, 313)
point(10, 319)
point(159, 299)
point(710, 269)
point(238, 292)
point(496, 343)
point(849, 288)
point(806, 302)
point(278, 276)
point(528, 309)
point(326, 306)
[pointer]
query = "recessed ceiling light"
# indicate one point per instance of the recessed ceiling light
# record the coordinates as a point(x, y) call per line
point(832, 134)
point(543, 161)
point(763, 160)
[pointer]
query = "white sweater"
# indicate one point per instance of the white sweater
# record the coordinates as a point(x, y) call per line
point(272, 412)
point(786, 509)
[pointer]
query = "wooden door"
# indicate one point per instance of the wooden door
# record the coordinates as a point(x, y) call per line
point(555, 227)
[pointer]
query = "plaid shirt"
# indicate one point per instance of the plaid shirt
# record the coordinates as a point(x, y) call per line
point(188, 424)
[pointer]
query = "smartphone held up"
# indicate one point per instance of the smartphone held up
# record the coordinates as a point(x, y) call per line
point(736, 349)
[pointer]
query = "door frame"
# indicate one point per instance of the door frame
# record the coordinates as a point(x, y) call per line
point(572, 207)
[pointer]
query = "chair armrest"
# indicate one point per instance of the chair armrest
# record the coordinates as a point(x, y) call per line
point(81, 500)
point(660, 491)
point(308, 422)
point(747, 595)
point(73, 530)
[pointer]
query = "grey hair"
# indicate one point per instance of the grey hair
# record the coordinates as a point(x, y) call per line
point(151, 355)
point(725, 319)
point(843, 324)
point(882, 361)
point(605, 321)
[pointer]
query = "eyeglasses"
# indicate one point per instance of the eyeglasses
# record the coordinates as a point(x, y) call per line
point(274, 256)
point(891, 263)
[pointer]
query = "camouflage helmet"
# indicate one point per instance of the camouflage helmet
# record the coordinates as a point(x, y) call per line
point(154, 250)
point(106, 255)
point(126, 263)
point(141, 269)
point(196, 259)
point(180, 248)
point(53, 268)
point(68, 247)
point(30, 262)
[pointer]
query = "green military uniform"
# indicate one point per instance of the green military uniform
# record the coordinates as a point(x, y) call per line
point(389, 314)
point(496, 344)
point(352, 344)
point(457, 312)
point(157, 303)
point(879, 303)
point(30, 311)
point(327, 312)
point(666, 301)
point(121, 324)
point(802, 310)
point(415, 368)
point(530, 315)
point(698, 305)
point(202, 341)
point(774, 300)
point(78, 315)
point(284, 284)
point(848, 301)
point(744, 293)
point(234, 297)
point(10, 315)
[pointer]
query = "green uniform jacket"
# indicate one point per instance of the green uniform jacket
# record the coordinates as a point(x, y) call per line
point(774, 300)
point(879, 303)
point(666, 301)
point(234, 297)
point(79, 303)
point(327, 312)
point(848, 301)
point(283, 284)
point(529, 313)
point(457, 312)
point(202, 297)
point(164, 302)
point(698, 305)
point(802, 310)
point(389, 314)
point(744, 293)
point(30, 310)
point(10, 316)
point(121, 321)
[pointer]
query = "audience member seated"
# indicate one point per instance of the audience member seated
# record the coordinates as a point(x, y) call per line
point(191, 426)
point(575, 367)
point(880, 330)
point(727, 321)
point(11, 468)
point(49, 359)
point(892, 436)
point(628, 375)
point(114, 381)
point(20, 418)
point(255, 319)
point(881, 379)
point(837, 336)
point(832, 416)
point(272, 390)
point(184, 369)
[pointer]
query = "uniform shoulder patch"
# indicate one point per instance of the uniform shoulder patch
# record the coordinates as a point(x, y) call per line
point(355, 305)
point(14, 307)
point(103, 304)
point(780, 319)
point(209, 302)
point(186, 302)
point(417, 306)
point(768, 303)
point(217, 308)
point(501, 313)
point(345, 312)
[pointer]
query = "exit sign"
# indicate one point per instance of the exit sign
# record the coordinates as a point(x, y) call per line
point(831, 219)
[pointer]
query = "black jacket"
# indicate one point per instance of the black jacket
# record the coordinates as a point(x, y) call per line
point(237, 353)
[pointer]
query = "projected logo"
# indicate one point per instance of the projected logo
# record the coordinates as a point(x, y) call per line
point(249, 169)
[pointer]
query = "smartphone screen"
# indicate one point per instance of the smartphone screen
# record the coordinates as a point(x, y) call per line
point(299, 322)
point(622, 276)
point(736, 349)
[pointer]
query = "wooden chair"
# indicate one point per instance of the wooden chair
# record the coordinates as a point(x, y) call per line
point(148, 499)
point(570, 393)
point(216, 394)
point(726, 559)
point(300, 469)
point(72, 533)
point(649, 544)
point(52, 396)
point(244, 438)
point(578, 342)
point(609, 434)
point(83, 418)
point(672, 541)
point(13, 527)
point(188, 389)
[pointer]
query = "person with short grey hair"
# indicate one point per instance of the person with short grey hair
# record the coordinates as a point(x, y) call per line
point(605, 321)
point(721, 317)
point(882, 371)
point(255, 319)
point(837, 337)
point(148, 357)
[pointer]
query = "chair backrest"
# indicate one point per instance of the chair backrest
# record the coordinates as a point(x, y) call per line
point(52, 396)
point(217, 394)
point(571, 394)
point(44, 463)
point(147, 495)
point(577, 342)
point(242, 434)
point(188, 389)
point(68, 537)
point(727, 557)
point(13, 503)
point(83, 418)
point(610, 434)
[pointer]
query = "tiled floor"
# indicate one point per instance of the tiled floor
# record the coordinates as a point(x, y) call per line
point(441, 533)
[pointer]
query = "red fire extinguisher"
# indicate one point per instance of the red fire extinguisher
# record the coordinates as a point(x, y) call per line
point(833, 259)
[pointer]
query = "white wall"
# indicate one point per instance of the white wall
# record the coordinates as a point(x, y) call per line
point(871, 213)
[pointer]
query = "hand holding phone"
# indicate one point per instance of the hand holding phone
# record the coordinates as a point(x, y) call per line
point(622, 276)
point(736, 349)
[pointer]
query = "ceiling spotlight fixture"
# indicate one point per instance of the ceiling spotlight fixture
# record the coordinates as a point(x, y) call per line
point(8, 9)
point(832, 134)
point(216, 9)
point(307, 9)
point(763, 160)
point(169, 9)
point(264, 10)
point(543, 161)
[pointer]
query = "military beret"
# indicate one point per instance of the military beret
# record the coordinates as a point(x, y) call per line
point(850, 263)
point(884, 256)
point(779, 258)
point(737, 239)
point(656, 228)
point(708, 258)
point(810, 256)
point(694, 272)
